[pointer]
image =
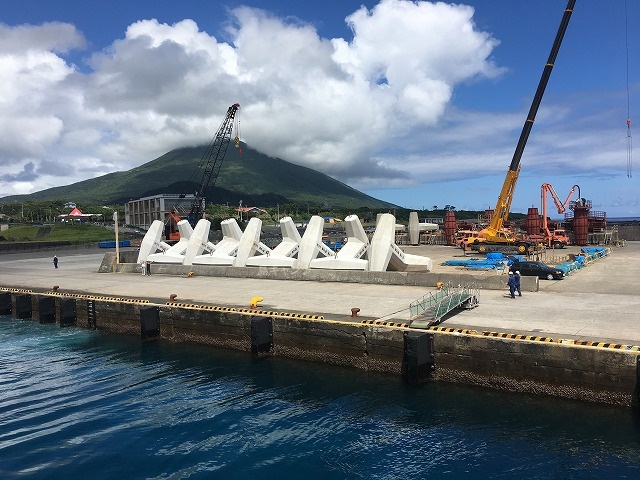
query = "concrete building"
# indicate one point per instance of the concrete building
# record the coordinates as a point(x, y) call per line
point(143, 211)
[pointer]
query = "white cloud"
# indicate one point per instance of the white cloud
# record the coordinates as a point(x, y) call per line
point(375, 109)
point(330, 104)
point(50, 36)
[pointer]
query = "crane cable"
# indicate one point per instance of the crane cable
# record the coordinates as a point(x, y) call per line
point(236, 140)
point(629, 138)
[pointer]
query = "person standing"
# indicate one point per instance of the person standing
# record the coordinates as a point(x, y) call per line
point(143, 268)
point(512, 284)
point(55, 261)
point(517, 278)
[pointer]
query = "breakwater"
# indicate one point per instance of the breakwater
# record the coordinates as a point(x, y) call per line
point(589, 371)
point(490, 281)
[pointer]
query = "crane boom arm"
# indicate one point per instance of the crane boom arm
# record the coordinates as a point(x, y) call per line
point(546, 187)
point(214, 155)
point(503, 205)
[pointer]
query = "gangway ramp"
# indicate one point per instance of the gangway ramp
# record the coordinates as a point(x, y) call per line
point(431, 308)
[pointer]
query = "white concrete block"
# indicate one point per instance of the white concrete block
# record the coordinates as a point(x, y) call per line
point(284, 253)
point(151, 241)
point(198, 241)
point(175, 254)
point(349, 257)
point(311, 244)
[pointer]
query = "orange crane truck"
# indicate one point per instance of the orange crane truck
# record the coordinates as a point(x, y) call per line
point(494, 237)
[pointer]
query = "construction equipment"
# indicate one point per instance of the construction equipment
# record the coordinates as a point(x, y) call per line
point(494, 237)
point(558, 238)
point(210, 164)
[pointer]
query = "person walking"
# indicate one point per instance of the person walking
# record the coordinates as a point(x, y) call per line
point(512, 284)
point(55, 261)
point(517, 278)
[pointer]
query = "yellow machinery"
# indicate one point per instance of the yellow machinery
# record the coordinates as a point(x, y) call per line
point(493, 237)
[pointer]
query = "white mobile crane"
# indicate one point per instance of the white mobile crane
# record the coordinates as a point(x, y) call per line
point(494, 237)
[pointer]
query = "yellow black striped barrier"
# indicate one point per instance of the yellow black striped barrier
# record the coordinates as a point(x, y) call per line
point(465, 331)
point(301, 315)
point(15, 290)
point(182, 305)
point(515, 336)
point(195, 306)
point(617, 346)
point(97, 297)
point(248, 311)
point(384, 323)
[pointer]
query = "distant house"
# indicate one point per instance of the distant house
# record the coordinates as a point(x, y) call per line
point(70, 205)
point(77, 215)
point(251, 211)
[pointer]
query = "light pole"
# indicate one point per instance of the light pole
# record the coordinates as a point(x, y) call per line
point(115, 221)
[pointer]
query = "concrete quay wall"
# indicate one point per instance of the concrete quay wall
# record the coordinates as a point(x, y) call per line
point(538, 365)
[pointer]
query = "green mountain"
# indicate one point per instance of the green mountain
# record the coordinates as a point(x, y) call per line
point(246, 175)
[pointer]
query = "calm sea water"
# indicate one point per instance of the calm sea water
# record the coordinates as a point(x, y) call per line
point(79, 404)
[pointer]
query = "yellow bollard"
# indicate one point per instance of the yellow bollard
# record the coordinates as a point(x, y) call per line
point(254, 302)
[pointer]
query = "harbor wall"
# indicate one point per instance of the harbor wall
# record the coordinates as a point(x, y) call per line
point(587, 371)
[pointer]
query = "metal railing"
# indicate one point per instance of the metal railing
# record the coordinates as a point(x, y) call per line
point(436, 305)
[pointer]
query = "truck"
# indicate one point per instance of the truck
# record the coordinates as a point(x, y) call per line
point(557, 238)
point(494, 237)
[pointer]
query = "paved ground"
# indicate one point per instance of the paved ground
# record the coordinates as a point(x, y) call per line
point(600, 302)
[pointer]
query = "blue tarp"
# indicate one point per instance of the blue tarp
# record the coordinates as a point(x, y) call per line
point(486, 263)
point(568, 267)
point(594, 252)
point(112, 244)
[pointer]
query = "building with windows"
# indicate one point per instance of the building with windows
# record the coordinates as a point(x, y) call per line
point(142, 212)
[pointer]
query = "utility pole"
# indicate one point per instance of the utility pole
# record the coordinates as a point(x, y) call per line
point(115, 219)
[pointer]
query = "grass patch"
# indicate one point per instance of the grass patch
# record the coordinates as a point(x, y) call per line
point(58, 233)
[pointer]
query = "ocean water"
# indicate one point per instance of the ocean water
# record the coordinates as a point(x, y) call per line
point(80, 404)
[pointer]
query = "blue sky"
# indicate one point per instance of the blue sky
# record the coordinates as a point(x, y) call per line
point(416, 103)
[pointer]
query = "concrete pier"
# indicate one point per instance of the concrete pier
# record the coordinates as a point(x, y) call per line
point(575, 337)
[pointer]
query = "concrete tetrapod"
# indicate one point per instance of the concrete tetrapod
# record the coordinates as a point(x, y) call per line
point(198, 242)
point(175, 254)
point(385, 255)
point(349, 257)
point(152, 241)
point(284, 253)
point(311, 244)
point(250, 243)
point(226, 249)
